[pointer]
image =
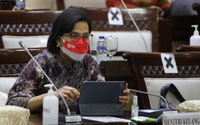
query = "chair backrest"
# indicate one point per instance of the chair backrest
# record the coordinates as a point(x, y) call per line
point(111, 73)
point(13, 61)
point(60, 4)
point(187, 48)
point(182, 30)
point(26, 23)
point(7, 4)
point(149, 65)
point(146, 19)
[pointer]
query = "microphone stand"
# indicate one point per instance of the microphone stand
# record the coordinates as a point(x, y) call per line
point(160, 112)
point(69, 117)
point(166, 104)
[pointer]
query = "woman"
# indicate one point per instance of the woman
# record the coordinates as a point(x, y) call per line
point(65, 61)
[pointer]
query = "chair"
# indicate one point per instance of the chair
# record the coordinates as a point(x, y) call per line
point(7, 4)
point(13, 60)
point(26, 23)
point(187, 48)
point(11, 64)
point(148, 66)
point(145, 18)
point(111, 73)
point(181, 29)
point(60, 4)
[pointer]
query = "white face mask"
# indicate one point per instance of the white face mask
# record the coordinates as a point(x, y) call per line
point(74, 56)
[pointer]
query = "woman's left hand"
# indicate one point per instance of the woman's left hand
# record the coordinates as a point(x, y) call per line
point(125, 99)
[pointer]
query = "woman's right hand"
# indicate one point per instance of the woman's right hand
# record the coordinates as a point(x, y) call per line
point(68, 92)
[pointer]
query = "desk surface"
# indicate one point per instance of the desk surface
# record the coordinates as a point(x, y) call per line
point(36, 119)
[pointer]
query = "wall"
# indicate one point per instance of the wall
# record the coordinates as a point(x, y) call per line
point(85, 3)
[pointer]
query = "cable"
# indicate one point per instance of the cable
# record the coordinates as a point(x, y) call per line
point(135, 24)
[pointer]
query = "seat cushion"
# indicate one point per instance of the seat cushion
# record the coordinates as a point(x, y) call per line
point(3, 98)
point(188, 87)
point(29, 41)
point(6, 83)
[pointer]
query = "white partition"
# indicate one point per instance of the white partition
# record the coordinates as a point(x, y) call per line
point(29, 41)
point(127, 41)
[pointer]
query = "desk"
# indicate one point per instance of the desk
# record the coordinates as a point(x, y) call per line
point(36, 119)
point(181, 26)
point(117, 70)
point(176, 29)
point(7, 4)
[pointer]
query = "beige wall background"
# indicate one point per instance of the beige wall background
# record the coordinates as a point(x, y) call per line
point(51, 4)
point(40, 4)
point(85, 3)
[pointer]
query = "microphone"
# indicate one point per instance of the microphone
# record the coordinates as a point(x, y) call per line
point(69, 117)
point(135, 24)
point(157, 114)
point(147, 93)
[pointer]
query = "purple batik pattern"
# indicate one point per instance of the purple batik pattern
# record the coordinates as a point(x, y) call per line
point(31, 80)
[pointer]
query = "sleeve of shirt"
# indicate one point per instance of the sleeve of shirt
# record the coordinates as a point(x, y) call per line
point(96, 73)
point(24, 87)
point(94, 70)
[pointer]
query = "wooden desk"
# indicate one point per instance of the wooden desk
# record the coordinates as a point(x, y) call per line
point(7, 4)
point(117, 70)
point(181, 27)
point(176, 29)
point(36, 119)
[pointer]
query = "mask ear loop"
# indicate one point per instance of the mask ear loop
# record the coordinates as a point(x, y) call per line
point(62, 39)
point(58, 45)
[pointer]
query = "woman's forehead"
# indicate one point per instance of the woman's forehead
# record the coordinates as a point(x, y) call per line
point(81, 27)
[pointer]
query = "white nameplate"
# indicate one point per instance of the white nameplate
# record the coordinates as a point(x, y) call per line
point(169, 63)
point(192, 118)
point(115, 16)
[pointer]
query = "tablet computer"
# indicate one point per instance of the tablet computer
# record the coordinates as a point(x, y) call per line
point(101, 98)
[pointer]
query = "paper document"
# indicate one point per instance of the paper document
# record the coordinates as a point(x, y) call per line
point(151, 110)
point(105, 119)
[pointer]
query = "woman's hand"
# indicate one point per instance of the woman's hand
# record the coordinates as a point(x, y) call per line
point(68, 92)
point(126, 98)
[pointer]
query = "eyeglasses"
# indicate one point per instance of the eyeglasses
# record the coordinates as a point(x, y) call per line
point(74, 36)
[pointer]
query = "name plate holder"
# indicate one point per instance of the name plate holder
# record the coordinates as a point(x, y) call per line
point(175, 118)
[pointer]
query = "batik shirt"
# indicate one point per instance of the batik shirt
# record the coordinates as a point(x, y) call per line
point(31, 80)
